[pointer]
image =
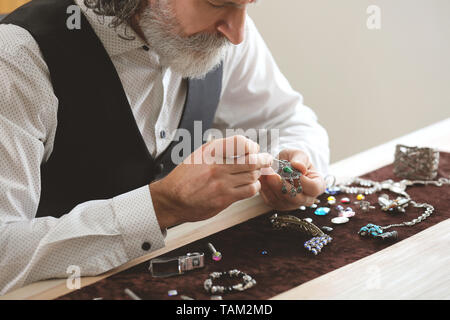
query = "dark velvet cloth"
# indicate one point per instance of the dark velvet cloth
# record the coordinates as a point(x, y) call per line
point(287, 264)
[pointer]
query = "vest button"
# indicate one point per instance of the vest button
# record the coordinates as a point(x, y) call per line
point(162, 134)
point(146, 246)
point(146, 48)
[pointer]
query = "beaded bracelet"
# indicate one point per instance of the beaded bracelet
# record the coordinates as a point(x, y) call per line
point(248, 283)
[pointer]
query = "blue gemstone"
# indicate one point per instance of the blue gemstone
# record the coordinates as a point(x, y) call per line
point(322, 211)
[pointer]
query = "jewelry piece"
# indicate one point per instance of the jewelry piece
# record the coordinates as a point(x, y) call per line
point(364, 205)
point(369, 187)
point(415, 162)
point(183, 297)
point(177, 265)
point(216, 298)
point(216, 255)
point(375, 231)
point(389, 205)
point(388, 235)
point(345, 200)
point(360, 197)
point(292, 222)
point(316, 244)
point(172, 293)
point(322, 211)
point(248, 282)
point(347, 213)
point(331, 189)
point(340, 220)
point(289, 173)
point(328, 229)
point(379, 230)
point(308, 220)
point(331, 200)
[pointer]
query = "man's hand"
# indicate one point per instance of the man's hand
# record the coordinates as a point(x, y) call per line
point(312, 182)
point(197, 190)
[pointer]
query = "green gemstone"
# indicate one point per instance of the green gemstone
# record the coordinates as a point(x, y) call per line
point(287, 170)
point(283, 189)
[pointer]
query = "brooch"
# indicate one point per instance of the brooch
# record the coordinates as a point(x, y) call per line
point(289, 173)
point(315, 244)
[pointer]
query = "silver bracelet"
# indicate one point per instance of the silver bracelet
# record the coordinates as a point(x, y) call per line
point(415, 162)
point(248, 283)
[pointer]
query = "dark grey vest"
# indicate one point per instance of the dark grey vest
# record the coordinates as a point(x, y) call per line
point(98, 151)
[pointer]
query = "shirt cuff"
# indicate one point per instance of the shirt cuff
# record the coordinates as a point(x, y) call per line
point(137, 221)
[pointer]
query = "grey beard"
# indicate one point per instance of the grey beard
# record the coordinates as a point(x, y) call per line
point(191, 57)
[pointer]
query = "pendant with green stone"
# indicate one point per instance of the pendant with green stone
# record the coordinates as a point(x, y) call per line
point(289, 173)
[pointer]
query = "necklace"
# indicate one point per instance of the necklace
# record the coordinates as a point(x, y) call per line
point(369, 187)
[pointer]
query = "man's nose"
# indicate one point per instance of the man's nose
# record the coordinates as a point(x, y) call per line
point(233, 25)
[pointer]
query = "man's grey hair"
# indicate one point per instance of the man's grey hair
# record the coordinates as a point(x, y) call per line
point(121, 10)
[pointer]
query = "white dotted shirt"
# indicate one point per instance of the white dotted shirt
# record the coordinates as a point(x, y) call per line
point(100, 235)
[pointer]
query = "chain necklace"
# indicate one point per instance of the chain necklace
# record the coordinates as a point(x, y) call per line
point(368, 187)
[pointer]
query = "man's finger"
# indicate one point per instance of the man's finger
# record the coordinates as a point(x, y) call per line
point(237, 146)
point(313, 186)
point(243, 178)
point(249, 162)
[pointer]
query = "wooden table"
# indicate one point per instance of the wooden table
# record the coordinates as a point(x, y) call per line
point(415, 268)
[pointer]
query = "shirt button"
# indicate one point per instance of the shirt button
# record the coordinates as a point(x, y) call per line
point(145, 48)
point(146, 246)
point(162, 134)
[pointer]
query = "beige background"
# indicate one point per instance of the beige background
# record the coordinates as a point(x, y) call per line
point(366, 86)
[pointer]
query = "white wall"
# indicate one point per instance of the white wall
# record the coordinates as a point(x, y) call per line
point(366, 86)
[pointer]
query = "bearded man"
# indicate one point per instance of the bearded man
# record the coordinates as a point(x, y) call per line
point(89, 117)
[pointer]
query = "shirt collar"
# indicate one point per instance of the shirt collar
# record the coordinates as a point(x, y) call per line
point(112, 38)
